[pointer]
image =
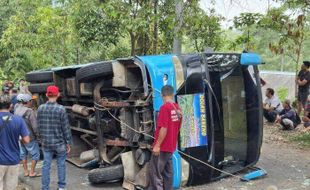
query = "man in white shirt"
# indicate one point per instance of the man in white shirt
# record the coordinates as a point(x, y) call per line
point(272, 106)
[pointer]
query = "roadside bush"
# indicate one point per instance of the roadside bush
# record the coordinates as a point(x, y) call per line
point(282, 93)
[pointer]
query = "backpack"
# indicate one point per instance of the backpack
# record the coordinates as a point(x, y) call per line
point(298, 120)
point(28, 123)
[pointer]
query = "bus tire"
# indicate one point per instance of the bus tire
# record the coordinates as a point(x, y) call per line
point(95, 71)
point(39, 87)
point(106, 174)
point(39, 76)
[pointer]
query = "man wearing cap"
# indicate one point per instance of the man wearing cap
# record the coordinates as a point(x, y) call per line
point(25, 111)
point(12, 127)
point(55, 136)
point(303, 82)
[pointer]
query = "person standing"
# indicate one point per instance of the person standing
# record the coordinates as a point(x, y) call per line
point(55, 135)
point(23, 88)
point(166, 137)
point(272, 106)
point(303, 82)
point(25, 111)
point(11, 128)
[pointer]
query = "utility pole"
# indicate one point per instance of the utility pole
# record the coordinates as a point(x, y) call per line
point(177, 40)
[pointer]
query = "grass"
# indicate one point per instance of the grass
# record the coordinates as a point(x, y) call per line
point(302, 139)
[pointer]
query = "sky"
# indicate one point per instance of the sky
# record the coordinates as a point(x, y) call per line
point(231, 8)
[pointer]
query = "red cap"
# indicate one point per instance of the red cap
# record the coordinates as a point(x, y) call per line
point(52, 91)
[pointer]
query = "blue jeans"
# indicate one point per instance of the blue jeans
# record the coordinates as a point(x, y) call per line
point(31, 148)
point(61, 156)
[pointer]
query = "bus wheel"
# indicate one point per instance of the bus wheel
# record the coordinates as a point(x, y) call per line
point(106, 174)
point(95, 71)
point(39, 87)
point(39, 76)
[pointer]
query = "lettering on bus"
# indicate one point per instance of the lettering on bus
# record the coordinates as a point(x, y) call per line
point(203, 116)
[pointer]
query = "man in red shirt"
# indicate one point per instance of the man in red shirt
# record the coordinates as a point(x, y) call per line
point(166, 136)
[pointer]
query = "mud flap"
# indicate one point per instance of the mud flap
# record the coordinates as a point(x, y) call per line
point(185, 172)
point(142, 179)
point(131, 169)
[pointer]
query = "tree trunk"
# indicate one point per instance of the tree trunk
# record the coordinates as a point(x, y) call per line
point(282, 61)
point(155, 40)
point(196, 45)
point(78, 60)
point(133, 44)
point(177, 41)
point(297, 66)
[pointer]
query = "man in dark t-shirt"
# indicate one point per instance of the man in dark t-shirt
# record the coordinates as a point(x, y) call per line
point(303, 82)
point(11, 128)
point(166, 136)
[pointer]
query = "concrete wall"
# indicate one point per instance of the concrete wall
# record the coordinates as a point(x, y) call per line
point(277, 80)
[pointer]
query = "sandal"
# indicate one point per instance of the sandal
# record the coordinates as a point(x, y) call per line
point(35, 175)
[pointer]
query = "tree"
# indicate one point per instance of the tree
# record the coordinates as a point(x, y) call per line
point(245, 21)
point(41, 39)
point(203, 29)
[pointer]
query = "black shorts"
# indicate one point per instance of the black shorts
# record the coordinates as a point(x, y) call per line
point(302, 97)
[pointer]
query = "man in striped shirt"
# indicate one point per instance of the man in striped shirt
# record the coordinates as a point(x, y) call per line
point(55, 134)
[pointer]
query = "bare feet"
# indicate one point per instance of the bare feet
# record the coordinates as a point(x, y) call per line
point(26, 173)
point(34, 174)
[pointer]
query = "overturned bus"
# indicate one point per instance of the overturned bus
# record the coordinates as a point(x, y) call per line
point(112, 108)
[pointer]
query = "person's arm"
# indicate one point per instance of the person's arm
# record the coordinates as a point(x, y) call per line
point(302, 82)
point(66, 130)
point(269, 108)
point(162, 122)
point(278, 119)
point(24, 133)
point(33, 121)
point(288, 115)
point(161, 137)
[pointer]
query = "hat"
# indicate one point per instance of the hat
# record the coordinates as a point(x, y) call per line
point(19, 97)
point(24, 98)
point(307, 63)
point(52, 91)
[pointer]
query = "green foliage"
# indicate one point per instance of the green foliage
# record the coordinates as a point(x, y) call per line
point(95, 26)
point(37, 34)
point(303, 139)
point(282, 93)
point(32, 41)
point(247, 20)
point(203, 30)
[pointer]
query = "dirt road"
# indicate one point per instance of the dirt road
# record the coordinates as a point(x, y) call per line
point(288, 168)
